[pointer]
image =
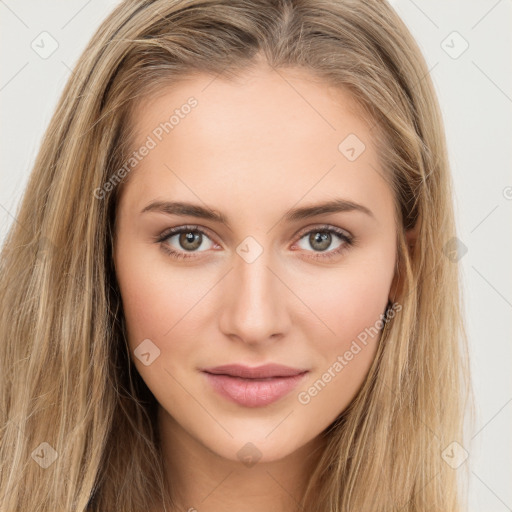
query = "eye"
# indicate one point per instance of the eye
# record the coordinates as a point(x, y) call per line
point(322, 237)
point(188, 239)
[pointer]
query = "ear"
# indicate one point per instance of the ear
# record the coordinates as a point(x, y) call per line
point(411, 237)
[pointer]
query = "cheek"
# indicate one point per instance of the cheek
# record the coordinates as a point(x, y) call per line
point(155, 305)
point(167, 306)
point(355, 305)
point(348, 300)
point(151, 297)
point(155, 295)
point(352, 310)
point(143, 304)
point(350, 303)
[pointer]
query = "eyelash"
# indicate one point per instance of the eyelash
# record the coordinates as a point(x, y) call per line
point(349, 241)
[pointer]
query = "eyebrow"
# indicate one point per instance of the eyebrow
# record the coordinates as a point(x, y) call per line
point(293, 215)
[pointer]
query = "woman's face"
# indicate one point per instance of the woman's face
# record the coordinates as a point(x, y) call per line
point(256, 276)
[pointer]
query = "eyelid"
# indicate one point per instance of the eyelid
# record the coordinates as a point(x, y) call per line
point(184, 227)
point(321, 227)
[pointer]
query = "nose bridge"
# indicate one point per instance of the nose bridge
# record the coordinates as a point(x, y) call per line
point(256, 308)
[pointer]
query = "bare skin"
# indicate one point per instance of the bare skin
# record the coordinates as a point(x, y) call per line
point(252, 150)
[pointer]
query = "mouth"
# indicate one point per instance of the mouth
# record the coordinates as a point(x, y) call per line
point(254, 387)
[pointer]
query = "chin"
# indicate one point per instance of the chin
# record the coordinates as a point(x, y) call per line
point(251, 444)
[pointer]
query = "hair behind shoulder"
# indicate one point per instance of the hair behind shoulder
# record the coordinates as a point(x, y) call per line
point(78, 422)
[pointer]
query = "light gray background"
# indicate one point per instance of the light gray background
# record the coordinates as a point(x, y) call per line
point(475, 92)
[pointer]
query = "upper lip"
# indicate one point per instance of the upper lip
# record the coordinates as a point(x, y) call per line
point(257, 372)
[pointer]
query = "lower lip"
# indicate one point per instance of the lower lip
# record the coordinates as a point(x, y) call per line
point(253, 392)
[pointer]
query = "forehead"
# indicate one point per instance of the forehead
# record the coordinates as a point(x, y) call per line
point(267, 131)
point(250, 106)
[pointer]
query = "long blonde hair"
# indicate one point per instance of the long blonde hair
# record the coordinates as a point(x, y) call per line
point(77, 421)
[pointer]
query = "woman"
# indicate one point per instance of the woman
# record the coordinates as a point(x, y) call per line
point(230, 280)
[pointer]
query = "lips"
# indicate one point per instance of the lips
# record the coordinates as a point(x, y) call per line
point(258, 372)
point(254, 386)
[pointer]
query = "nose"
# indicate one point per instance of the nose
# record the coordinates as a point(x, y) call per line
point(255, 302)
